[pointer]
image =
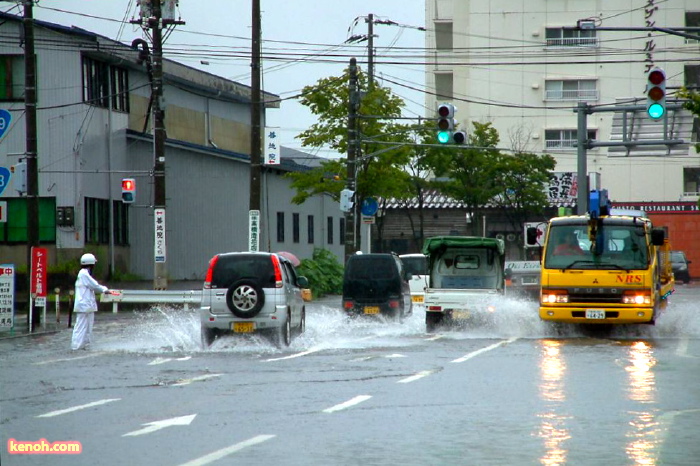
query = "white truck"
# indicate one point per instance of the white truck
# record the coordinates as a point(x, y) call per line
point(466, 280)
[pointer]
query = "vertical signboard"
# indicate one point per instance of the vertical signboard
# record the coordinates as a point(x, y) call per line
point(272, 147)
point(39, 266)
point(7, 296)
point(159, 252)
point(254, 230)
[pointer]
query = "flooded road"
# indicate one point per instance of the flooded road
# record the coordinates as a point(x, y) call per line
point(517, 391)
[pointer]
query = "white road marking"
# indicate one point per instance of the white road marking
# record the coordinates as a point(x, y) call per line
point(78, 408)
point(396, 355)
point(415, 377)
point(51, 361)
point(467, 357)
point(435, 337)
point(157, 425)
point(217, 455)
point(157, 361)
point(182, 382)
point(292, 356)
point(347, 404)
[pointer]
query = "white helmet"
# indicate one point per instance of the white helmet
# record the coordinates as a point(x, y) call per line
point(88, 259)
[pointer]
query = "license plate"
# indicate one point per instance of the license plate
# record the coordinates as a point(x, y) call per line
point(243, 327)
point(529, 280)
point(371, 310)
point(460, 314)
point(595, 314)
point(417, 299)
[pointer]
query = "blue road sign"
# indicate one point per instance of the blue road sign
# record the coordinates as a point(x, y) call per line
point(5, 120)
point(369, 206)
point(4, 178)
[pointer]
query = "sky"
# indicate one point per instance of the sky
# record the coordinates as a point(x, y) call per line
point(216, 38)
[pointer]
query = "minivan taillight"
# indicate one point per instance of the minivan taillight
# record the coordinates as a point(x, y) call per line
point(394, 303)
point(348, 304)
point(278, 271)
point(210, 272)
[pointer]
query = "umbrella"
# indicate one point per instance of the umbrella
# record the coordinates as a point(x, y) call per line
point(291, 257)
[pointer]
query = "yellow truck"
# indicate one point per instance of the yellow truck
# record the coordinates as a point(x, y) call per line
point(605, 267)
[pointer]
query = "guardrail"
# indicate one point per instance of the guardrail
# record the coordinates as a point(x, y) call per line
point(184, 297)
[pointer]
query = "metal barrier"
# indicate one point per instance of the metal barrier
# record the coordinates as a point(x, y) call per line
point(185, 297)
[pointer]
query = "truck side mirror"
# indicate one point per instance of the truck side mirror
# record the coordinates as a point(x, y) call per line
point(531, 236)
point(658, 236)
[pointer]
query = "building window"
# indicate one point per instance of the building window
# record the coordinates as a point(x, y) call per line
point(564, 139)
point(11, 77)
point(14, 230)
point(444, 86)
point(691, 77)
point(103, 83)
point(443, 36)
point(96, 221)
point(330, 230)
point(119, 83)
point(120, 228)
point(559, 37)
point(295, 228)
point(341, 230)
point(692, 20)
point(571, 89)
point(310, 229)
point(280, 227)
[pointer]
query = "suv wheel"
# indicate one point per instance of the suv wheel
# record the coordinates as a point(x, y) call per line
point(245, 298)
point(302, 325)
point(282, 336)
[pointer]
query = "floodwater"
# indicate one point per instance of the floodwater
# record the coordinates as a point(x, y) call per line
point(167, 330)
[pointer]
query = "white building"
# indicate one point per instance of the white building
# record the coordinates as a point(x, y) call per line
point(520, 65)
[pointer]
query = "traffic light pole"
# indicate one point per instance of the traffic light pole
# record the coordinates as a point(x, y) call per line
point(583, 144)
point(350, 216)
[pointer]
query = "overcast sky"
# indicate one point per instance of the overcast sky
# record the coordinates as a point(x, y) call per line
point(289, 26)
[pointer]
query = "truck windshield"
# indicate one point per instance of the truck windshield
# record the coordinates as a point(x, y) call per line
point(620, 247)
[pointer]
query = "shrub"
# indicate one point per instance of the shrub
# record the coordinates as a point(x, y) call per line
point(324, 272)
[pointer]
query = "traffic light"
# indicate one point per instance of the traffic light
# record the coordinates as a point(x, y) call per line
point(446, 122)
point(459, 137)
point(656, 93)
point(346, 200)
point(128, 190)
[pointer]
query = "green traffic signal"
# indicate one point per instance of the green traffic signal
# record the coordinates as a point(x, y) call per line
point(443, 137)
point(656, 111)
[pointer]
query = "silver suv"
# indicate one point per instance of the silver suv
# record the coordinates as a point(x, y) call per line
point(252, 292)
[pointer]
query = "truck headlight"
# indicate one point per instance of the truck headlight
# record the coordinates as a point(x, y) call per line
point(636, 297)
point(554, 296)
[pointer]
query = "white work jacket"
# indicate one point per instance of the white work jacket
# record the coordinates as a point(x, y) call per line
point(85, 287)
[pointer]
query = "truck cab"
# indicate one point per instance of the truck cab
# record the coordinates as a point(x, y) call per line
point(606, 267)
point(465, 274)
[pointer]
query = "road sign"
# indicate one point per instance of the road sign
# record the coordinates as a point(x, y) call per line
point(253, 230)
point(5, 120)
point(159, 247)
point(369, 206)
point(7, 296)
point(5, 175)
point(40, 262)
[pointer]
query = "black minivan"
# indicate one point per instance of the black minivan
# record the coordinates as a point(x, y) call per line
point(376, 285)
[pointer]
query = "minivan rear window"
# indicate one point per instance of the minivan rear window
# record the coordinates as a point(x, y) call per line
point(231, 268)
point(415, 265)
point(363, 268)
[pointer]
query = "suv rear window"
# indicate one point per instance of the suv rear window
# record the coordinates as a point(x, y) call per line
point(233, 267)
point(363, 268)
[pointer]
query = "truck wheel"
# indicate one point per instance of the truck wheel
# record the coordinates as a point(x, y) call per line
point(432, 321)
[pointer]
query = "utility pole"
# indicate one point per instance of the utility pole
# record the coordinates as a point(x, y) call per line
point(155, 22)
point(31, 146)
point(353, 102)
point(370, 50)
point(255, 132)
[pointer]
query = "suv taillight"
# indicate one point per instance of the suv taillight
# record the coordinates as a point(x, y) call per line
point(278, 271)
point(210, 272)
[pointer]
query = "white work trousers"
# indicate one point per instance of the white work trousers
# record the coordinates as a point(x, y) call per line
point(82, 331)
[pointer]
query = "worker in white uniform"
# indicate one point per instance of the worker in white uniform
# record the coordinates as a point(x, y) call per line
point(85, 303)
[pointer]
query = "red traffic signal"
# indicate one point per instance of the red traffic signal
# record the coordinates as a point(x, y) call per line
point(128, 190)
